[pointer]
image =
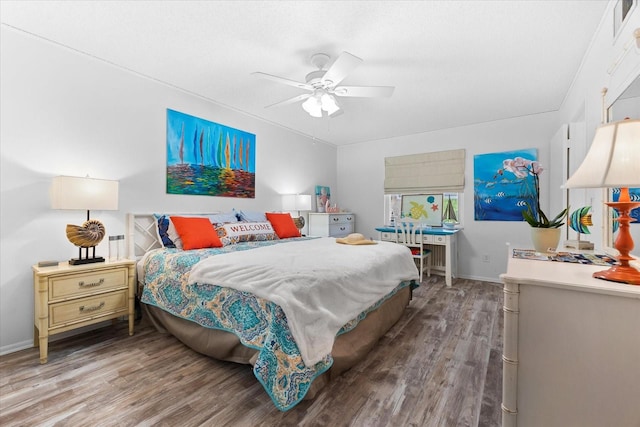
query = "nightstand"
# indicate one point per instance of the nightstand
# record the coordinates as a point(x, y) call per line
point(68, 297)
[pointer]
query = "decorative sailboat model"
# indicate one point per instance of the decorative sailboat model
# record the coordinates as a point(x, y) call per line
point(449, 218)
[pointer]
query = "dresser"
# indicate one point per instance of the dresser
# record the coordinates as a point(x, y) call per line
point(443, 244)
point(571, 347)
point(331, 224)
point(68, 297)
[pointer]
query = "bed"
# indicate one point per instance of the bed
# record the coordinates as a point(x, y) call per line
point(300, 310)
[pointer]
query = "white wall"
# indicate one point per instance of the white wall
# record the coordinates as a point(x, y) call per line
point(612, 63)
point(361, 166)
point(64, 113)
point(361, 180)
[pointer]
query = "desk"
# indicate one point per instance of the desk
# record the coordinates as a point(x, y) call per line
point(444, 248)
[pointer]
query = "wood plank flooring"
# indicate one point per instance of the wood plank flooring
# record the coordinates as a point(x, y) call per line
point(440, 365)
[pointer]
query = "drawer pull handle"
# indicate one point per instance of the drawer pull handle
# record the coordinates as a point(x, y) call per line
point(92, 284)
point(84, 309)
point(336, 219)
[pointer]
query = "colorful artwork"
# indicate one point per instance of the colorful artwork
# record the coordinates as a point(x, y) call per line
point(634, 195)
point(323, 198)
point(500, 195)
point(427, 208)
point(206, 158)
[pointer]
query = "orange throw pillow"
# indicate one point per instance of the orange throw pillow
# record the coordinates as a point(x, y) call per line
point(283, 225)
point(196, 233)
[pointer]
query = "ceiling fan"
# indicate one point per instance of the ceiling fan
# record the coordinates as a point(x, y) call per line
point(322, 85)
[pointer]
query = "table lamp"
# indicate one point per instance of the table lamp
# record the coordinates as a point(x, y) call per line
point(69, 192)
point(613, 162)
point(297, 202)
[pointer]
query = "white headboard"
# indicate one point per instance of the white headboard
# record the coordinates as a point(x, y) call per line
point(142, 232)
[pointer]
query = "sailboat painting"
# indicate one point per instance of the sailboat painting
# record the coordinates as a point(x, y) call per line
point(207, 158)
point(498, 194)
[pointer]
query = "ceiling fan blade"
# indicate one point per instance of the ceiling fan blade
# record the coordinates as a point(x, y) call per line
point(364, 91)
point(290, 100)
point(283, 80)
point(345, 63)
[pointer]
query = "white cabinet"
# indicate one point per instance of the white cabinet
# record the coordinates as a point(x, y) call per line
point(331, 224)
point(571, 347)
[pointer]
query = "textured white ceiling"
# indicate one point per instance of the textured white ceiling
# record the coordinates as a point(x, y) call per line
point(453, 63)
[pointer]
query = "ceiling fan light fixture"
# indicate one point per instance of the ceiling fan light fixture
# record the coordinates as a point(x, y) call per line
point(329, 103)
point(313, 106)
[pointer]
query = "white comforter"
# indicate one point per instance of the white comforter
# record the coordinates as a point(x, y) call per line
point(320, 284)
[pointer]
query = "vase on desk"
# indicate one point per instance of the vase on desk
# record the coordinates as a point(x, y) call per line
point(545, 239)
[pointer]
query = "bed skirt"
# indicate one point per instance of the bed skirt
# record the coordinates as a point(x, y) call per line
point(348, 349)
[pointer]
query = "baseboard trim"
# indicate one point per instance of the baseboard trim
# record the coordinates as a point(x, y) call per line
point(23, 345)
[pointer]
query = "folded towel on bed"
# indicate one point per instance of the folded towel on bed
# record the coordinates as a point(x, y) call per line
point(319, 285)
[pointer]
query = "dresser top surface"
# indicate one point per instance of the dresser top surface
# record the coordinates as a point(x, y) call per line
point(565, 275)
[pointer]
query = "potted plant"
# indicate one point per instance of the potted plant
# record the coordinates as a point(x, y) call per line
point(545, 232)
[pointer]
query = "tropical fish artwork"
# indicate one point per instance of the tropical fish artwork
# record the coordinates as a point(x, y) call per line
point(207, 158)
point(500, 195)
point(580, 220)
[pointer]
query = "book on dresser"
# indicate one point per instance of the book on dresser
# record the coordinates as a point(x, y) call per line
point(331, 224)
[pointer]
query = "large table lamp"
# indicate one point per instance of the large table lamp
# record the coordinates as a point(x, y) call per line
point(613, 161)
point(69, 192)
point(298, 203)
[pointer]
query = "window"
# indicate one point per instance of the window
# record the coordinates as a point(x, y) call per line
point(393, 207)
point(620, 14)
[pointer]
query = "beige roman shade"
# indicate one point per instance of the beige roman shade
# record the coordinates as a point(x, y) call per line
point(438, 172)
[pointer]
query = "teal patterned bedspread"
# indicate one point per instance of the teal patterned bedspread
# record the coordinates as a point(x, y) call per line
point(258, 323)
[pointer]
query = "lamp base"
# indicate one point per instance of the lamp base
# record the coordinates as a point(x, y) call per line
point(299, 222)
point(620, 273)
point(82, 261)
point(623, 273)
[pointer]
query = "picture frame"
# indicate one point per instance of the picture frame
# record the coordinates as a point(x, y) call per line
point(209, 159)
point(426, 208)
point(323, 198)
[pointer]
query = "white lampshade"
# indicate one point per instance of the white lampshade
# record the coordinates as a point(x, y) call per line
point(613, 159)
point(296, 202)
point(329, 104)
point(303, 202)
point(69, 192)
point(319, 102)
point(313, 106)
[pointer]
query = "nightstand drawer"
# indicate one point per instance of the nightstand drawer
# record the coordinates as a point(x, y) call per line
point(388, 237)
point(340, 230)
point(434, 239)
point(87, 308)
point(340, 218)
point(81, 284)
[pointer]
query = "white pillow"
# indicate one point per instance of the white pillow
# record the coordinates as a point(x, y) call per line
point(246, 232)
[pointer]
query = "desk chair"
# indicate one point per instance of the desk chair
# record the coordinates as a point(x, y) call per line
point(409, 233)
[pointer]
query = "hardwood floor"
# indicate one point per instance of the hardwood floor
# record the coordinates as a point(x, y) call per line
point(440, 365)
